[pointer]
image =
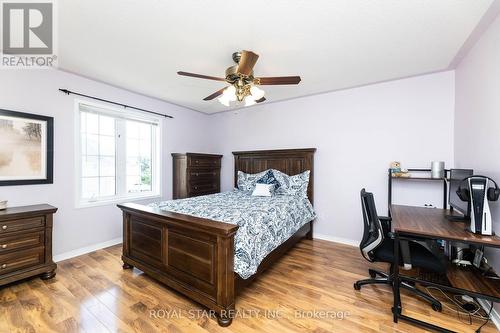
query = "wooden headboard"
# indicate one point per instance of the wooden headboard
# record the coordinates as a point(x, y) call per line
point(289, 161)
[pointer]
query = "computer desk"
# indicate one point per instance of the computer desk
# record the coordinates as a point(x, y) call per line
point(410, 222)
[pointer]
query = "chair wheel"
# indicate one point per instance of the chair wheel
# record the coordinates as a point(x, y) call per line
point(437, 307)
point(357, 286)
point(373, 275)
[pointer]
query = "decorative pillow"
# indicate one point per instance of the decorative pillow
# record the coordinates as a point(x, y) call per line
point(292, 185)
point(247, 181)
point(263, 190)
point(269, 178)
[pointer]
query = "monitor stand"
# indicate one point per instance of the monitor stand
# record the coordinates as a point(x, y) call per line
point(457, 218)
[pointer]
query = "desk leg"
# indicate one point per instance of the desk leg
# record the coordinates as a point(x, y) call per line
point(396, 309)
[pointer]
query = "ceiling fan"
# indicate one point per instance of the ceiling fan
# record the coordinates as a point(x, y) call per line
point(243, 84)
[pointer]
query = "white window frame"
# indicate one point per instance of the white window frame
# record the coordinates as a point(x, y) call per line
point(120, 176)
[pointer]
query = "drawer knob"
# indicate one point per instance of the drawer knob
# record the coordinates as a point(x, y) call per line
point(4, 246)
point(4, 227)
point(196, 187)
point(196, 161)
point(4, 266)
point(197, 174)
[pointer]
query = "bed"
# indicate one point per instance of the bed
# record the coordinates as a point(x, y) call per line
point(196, 255)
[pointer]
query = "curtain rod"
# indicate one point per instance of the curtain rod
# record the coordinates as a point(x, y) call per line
point(68, 92)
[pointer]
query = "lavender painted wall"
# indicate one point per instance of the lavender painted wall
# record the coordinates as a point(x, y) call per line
point(36, 91)
point(358, 132)
point(477, 118)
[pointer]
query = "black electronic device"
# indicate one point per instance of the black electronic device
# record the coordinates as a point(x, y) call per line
point(477, 191)
point(457, 204)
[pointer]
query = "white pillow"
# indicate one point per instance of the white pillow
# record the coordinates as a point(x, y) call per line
point(263, 190)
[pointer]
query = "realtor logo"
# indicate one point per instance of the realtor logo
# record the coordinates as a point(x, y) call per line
point(27, 28)
point(28, 34)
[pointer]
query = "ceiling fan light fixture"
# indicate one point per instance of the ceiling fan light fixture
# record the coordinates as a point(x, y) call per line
point(243, 84)
point(257, 93)
point(224, 100)
point(249, 100)
point(230, 93)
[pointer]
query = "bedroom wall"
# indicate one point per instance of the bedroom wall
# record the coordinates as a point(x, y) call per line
point(357, 132)
point(477, 119)
point(36, 91)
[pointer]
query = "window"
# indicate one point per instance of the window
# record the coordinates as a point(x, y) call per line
point(118, 155)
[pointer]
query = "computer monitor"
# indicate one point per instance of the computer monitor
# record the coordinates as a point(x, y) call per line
point(456, 177)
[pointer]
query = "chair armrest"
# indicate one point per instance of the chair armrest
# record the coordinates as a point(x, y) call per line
point(386, 224)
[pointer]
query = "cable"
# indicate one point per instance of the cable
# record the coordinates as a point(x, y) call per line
point(487, 319)
point(457, 304)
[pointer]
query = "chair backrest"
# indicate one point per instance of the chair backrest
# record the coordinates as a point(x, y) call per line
point(373, 234)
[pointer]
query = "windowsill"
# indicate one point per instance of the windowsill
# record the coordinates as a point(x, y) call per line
point(112, 201)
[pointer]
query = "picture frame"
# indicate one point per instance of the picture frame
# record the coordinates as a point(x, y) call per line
point(26, 148)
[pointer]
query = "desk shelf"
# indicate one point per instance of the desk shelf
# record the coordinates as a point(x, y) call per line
point(418, 178)
point(425, 175)
point(471, 279)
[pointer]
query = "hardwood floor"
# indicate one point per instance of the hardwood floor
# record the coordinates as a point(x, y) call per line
point(92, 293)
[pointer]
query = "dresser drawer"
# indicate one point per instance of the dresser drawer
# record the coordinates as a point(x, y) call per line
point(22, 224)
point(21, 259)
point(22, 241)
point(203, 187)
point(203, 174)
point(201, 161)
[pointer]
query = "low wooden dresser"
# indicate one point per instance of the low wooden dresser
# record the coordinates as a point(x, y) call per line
point(195, 174)
point(26, 243)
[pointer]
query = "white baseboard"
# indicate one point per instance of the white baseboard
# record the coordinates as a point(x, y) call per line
point(87, 249)
point(98, 246)
point(495, 316)
point(336, 239)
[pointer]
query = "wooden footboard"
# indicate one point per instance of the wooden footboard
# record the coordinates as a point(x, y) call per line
point(191, 255)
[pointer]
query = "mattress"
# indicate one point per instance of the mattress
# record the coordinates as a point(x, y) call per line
point(264, 222)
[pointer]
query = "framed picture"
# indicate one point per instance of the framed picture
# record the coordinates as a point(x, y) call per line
point(26, 148)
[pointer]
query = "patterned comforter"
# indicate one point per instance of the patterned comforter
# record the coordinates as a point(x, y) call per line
point(264, 222)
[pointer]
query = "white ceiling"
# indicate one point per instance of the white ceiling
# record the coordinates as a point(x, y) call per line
point(332, 44)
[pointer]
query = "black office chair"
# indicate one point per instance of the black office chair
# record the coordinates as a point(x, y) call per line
point(377, 245)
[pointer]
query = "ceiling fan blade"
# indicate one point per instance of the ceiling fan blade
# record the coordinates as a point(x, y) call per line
point(215, 94)
point(260, 100)
point(277, 80)
point(247, 61)
point(201, 76)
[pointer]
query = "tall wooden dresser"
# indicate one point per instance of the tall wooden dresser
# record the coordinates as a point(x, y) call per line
point(26, 243)
point(195, 174)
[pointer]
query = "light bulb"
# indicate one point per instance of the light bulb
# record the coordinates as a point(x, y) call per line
point(230, 93)
point(249, 100)
point(257, 93)
point(223, 100)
